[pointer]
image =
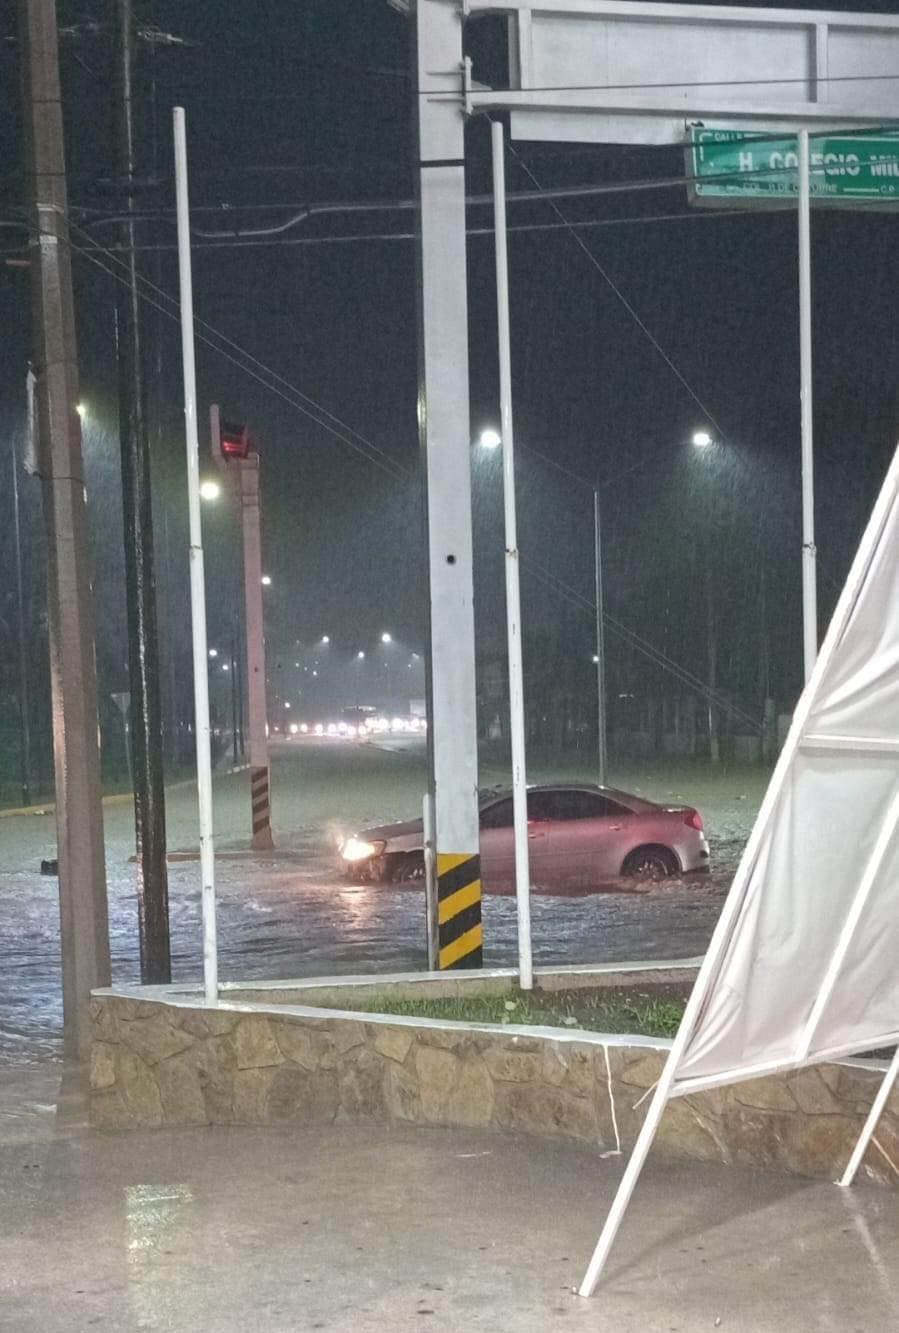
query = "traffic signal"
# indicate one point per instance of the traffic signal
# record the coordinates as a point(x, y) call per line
point(231, 440)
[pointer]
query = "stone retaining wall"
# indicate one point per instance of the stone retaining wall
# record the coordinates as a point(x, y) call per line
point(173, 1062)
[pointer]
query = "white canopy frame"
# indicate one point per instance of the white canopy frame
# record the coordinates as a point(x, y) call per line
point(669, 1086)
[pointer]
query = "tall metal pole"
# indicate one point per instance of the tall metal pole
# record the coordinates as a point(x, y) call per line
point(444, 430)
point(602, 753)
point(255, 624)
point(809, 552)
point(24, 711)
point(513, 590)
point(202, 729)
point(84, 928)
point(711, 630)
point(140, 581)
point(234, 689)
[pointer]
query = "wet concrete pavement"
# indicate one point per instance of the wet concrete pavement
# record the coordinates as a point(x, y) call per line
point(291, 914)
point(355, 1228)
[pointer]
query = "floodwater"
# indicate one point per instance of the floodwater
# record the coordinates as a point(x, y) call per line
point(291, 914)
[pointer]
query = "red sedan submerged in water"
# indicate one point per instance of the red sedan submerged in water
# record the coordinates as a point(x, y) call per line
point(580, 837)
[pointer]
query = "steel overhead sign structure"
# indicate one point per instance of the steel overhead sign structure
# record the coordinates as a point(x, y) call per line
point(726, 164)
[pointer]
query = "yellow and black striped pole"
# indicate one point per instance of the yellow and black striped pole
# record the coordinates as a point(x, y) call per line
point(460, 933)
point(262, 809)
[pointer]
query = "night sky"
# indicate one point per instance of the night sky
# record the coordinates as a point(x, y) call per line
point(292, 103)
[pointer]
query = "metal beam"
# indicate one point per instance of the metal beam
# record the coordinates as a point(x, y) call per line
point(609, 71)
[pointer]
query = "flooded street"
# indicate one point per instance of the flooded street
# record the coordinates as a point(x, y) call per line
point(290, 914)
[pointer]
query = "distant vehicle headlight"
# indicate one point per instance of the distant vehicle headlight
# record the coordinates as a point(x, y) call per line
point(357, 849)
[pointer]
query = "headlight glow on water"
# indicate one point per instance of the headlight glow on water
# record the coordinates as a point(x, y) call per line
point(357, 849)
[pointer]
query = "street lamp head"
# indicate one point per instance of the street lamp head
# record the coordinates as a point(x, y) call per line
point(360, 655)
point(213, 652)
point(702, 439)
point(210, 489)
point(326, 638)
point(386, 638)
point(490, 438)
point(266, 580)
point(225, 666)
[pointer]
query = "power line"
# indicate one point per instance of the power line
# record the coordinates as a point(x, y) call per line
point(641, 645)
point(393, 469)
point(638, 320)
point(282, 242)
point(242, 351)
point(305, 211)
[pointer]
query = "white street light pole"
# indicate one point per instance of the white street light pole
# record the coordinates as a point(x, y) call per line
point(809, 553)
point(197, 575)
point(513, 592)
point(602, 745)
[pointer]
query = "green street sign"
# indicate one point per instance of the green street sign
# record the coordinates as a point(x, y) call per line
point(730, 165)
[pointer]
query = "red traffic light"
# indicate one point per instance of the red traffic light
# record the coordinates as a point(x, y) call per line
point(234, 440)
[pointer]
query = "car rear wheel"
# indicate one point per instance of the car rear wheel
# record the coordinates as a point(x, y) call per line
point(651, 863)
point(407, 868)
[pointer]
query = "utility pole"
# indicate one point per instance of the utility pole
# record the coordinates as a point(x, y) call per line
point(232, 446)
point(140, 583)
point(24, 717)
point(84, 926)
point(444, 430)
point(260, 796)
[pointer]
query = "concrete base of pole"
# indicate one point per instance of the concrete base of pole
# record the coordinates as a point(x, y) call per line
point(262, 841)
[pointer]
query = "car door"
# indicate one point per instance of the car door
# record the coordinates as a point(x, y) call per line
point(541, 814)
point(498, 847)
point(588, 840)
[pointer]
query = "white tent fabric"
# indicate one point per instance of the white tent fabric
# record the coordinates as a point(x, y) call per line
point(808, 967)
point(803, 962)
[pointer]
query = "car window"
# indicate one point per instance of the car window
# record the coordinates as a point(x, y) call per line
point(540, 806)
point(569, 805)
point(498, 815)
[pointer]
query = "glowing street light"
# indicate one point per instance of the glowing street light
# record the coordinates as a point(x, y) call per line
point(210, 489)
point(266, 580)
point(490, 438)
point(213, 652)
point(360, 655)
point(81, 409)
point(702, 439)
point(326, 639)
point(386, 638)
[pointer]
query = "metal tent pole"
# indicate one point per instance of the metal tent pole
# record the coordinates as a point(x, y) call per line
point(880, 1101)
point(197, 575)
point(809, 553)
point(513, 590)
